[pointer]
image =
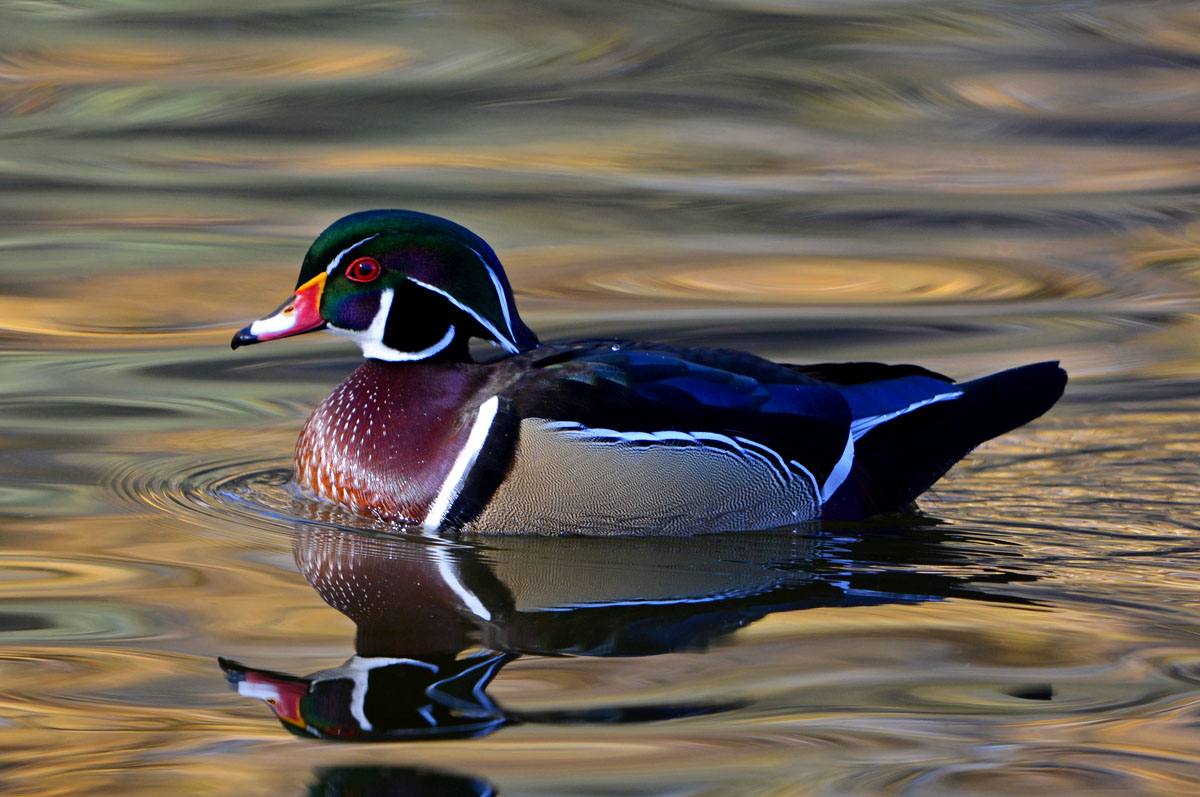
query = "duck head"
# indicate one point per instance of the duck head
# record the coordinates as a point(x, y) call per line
point(403, 286)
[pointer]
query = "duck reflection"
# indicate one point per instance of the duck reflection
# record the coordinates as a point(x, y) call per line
point(436, 620)
point(396, 782)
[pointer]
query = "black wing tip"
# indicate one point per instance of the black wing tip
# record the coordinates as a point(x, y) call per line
point(940, 434)
point(1042, 383)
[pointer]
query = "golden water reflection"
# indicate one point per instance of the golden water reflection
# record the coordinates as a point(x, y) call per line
point(966, 187)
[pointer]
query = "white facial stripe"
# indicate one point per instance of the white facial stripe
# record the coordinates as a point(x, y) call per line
point(273, 324)
point(370, 340)
point(506, 341)
point(499, 293)
point(364, 663)
point(333, 264)
point(374, 333)
point(489, 666)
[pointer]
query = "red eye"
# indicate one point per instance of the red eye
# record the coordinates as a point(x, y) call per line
point(364, 269)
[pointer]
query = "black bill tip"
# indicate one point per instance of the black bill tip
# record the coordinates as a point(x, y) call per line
point(243, 338)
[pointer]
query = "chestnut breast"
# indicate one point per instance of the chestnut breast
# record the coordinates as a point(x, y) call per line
point(385, 440)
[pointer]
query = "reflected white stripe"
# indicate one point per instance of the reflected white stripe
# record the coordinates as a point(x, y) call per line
point(360, 673)
point(445, 498)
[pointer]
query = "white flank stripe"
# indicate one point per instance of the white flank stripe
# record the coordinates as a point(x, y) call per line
point(670, 435)
point(808, 473)
point(738, 447)
point(717, 438)
point(783, 468)
point(840, 471)
point(506, 341)
point(333, 264)
point(860, 426)
point(462, 463)
point(450, 490)
point(563, 426)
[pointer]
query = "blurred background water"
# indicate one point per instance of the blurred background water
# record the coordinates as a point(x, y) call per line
point(964, 184)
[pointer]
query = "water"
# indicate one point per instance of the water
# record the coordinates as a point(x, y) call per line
point(965, 185)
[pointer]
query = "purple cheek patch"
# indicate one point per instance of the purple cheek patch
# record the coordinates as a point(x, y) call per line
point(357, 311)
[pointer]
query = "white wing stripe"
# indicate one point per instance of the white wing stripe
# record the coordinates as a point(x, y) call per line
point(783, 468)
point(860, 426)
point(811, 478)
point(736, 447)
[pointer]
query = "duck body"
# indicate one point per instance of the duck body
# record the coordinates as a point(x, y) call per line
point(601, 437)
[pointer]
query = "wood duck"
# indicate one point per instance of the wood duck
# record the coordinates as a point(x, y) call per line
point(604, 436)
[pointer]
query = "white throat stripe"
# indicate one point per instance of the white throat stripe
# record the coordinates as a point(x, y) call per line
point(370, 340)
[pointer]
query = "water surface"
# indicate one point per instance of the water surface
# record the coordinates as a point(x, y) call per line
point(966, 185)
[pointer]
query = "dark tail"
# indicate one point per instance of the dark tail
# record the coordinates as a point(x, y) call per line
point(900, 459)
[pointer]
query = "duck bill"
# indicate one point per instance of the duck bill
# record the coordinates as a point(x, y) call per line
point(299, 314)
point(282, 693)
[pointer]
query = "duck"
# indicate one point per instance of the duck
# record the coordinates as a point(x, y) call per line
point(598, 436)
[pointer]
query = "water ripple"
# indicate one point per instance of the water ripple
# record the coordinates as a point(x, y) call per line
point(203, 490)
point(228, 496)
